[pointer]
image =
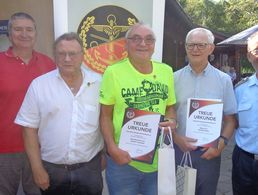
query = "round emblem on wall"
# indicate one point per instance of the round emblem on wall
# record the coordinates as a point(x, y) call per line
point(102, 31)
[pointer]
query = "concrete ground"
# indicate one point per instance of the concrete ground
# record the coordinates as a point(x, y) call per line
point(225, 185)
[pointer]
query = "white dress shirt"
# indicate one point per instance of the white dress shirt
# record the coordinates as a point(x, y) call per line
point(68, 125)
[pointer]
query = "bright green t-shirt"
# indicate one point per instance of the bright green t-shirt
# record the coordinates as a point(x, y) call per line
point(123, 86)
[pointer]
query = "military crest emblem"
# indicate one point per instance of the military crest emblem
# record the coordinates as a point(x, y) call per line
point(102, 31)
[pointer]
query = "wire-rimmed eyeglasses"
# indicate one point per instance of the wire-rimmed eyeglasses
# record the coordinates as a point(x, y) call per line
point(72, 55)
point(149, 40)
point(254, 51)
point(200, 46)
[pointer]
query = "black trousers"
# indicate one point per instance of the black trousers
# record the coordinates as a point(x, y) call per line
point(244, 173)
point(77, 179)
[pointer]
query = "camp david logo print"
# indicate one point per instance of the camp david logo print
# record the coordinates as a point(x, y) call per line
point(147, 96)
point(102, 31)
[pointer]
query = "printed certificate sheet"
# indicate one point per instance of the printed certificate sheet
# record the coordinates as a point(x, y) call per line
point(204, 119)
point(139, 134)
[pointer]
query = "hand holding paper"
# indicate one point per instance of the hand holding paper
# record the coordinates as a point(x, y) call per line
point(119, 156)
point(139, 134)
point(204, 119)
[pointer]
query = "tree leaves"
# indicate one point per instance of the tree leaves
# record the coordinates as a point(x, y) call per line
point(228, 16)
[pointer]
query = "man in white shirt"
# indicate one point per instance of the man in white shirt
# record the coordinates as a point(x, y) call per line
point(61, 128)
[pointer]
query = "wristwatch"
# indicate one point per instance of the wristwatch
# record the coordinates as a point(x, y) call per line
point(224, 139)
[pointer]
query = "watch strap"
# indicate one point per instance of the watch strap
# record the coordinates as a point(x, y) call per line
point(224, 139)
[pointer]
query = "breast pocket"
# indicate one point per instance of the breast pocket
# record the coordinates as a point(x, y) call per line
point(244, 110)
point(91, 115)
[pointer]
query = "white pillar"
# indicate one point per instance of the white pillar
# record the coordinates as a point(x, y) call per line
point(60, 17)
point(158, 15)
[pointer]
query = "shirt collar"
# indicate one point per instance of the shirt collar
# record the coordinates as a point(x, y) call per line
point(253, 80)
point(205, 71)
point(10, 54)
point(88, 77)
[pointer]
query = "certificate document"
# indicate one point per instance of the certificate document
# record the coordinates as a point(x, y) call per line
point(204, 119)
point(139, 134)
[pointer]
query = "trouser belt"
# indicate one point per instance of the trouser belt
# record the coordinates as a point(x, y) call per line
point(71, 167)
point(253, 156)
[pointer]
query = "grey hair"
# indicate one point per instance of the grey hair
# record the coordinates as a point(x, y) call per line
point(70, 36)
point(128, 33)
point(252, 38)
point(19, 15)
point(206, 31)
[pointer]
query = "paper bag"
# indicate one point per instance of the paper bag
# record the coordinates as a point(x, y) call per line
point(186, 176)
point(166, 166)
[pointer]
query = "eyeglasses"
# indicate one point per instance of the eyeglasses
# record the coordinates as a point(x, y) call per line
point(72, 55)
point(200, 46)
point(138, 40)
point(254, 52)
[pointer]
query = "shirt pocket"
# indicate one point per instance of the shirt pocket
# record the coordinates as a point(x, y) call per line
point(242, 107)
point(244, 111)
point(91, 115)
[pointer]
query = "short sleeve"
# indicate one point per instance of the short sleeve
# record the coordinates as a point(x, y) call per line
point(107, 89)
point(230, 104)
point(171, 89)
point(29, 115)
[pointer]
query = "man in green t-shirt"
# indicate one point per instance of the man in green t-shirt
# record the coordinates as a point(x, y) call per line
point(140, 83)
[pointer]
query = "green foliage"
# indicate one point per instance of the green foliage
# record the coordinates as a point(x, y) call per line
point(228, 16)
point(246, 66)
point(241, 14)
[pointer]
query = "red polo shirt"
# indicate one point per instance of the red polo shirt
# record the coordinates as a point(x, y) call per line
point(15, 78)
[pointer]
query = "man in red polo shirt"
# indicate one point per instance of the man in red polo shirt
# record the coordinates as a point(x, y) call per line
point(19, 65)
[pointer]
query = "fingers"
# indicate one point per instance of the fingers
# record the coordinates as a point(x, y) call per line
point(210, 153)
point(103, 161)
point(44, 185)
point(192, 147)
point(192, 140)
point(167, 124)
point(185, 143)
point(129, 159)
point(121, 157)
point(41, 178)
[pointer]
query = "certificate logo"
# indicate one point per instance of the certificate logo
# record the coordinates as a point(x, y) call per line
point(102, 31)
point(130, 114)
point(195, 104)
